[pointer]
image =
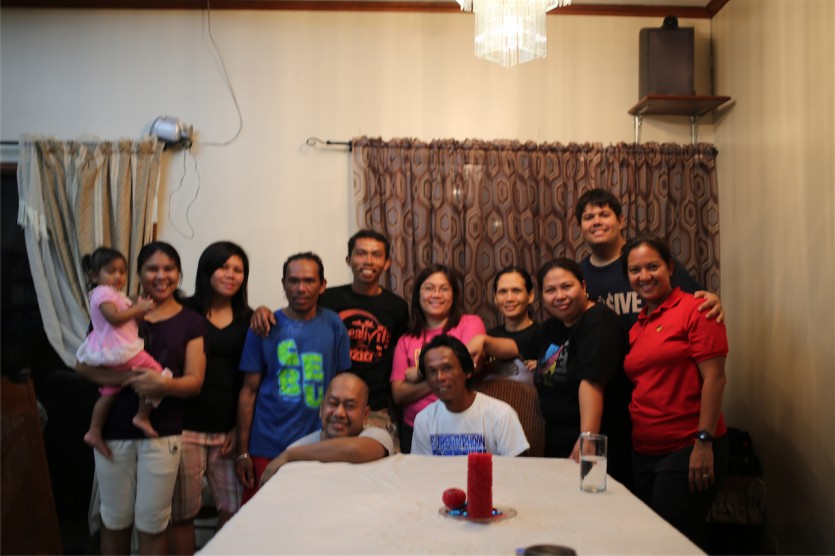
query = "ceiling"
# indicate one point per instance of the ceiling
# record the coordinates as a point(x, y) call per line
point(681, 8)
point(677, 3)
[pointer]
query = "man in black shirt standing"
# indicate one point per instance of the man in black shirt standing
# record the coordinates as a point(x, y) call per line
point(601, 221)
point(374, 317)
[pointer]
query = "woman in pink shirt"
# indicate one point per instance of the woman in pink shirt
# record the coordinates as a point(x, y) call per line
point(436, 309)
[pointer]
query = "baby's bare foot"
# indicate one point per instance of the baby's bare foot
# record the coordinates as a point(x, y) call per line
point(95, 440)
point(145, 426)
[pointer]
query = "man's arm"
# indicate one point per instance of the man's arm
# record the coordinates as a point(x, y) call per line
point(682, 279)
point(348, 450)
point(262, 321)
point(712, 305)
point(246, 408)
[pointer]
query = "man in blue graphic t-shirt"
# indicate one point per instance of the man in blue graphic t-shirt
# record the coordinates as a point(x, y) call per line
point(288, 371)
point(461, 420)
point(374, 317)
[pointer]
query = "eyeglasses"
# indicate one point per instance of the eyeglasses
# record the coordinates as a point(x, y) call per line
point(430, 289)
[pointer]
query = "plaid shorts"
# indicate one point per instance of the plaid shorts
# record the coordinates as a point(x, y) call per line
point(201, 457)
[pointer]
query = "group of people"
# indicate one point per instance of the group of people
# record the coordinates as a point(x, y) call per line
point(205, 386)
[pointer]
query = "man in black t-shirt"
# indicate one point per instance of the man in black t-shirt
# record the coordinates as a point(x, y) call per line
point(374, 317)
point(601, 221)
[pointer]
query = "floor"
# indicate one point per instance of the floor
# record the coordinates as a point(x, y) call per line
point(204, 530)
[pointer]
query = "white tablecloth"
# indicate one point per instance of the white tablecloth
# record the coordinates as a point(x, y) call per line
point(391, 507)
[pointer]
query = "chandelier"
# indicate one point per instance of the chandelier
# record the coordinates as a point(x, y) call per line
point(510, 32)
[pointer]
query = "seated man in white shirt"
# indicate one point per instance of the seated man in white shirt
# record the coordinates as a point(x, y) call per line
point(461, 420)
point(343, 436)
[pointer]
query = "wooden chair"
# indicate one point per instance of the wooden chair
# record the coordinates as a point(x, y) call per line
point(29, 520)
point(524, 399)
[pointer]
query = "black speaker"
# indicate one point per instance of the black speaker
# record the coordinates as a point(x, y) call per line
point(666, 60)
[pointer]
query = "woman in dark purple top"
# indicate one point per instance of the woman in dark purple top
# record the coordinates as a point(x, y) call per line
point(136, 483)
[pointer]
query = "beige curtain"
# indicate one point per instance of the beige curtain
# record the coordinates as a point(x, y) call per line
point(479, 206)
point(74, 197)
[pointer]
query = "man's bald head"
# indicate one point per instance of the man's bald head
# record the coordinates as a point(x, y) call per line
point(352, 381)
point(345, 409)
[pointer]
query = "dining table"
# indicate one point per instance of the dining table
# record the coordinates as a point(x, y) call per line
point(394, 506)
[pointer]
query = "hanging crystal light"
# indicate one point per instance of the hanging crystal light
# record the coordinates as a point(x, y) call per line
point(510, 32)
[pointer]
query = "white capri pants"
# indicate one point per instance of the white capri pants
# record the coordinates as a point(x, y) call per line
point(137, 485)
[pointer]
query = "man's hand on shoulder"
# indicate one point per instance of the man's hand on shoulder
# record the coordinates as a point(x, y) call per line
point(262, 321)
point(712, 305)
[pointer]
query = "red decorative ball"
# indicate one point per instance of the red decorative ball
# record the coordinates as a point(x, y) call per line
point(454, 498)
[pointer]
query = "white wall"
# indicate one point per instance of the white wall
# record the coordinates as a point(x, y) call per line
point(777, 209)
point(334, 75)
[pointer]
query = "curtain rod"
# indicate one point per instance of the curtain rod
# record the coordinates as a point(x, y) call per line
point(315, 142)
point(311, 141)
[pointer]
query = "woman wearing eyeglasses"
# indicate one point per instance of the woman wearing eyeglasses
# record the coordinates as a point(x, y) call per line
point(436, 309)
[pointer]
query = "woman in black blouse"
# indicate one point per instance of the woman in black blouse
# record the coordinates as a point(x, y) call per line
point(579, 373)
point(220, 295)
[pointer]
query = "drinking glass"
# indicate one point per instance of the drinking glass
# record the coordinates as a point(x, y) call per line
point(593, 462)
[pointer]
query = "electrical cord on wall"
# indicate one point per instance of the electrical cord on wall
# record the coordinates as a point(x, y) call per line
point(207, 21)
point(219, 59)
point(190, 234)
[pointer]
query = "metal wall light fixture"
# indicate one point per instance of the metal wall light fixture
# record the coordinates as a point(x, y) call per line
point(510, 32)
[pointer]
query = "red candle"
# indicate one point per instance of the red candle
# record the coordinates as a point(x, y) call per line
point(480, 485)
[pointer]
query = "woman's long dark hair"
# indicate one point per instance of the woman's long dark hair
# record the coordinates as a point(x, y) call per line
point(417, 320)
point(213, 257)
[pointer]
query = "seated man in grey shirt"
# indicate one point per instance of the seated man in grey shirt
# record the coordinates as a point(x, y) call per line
point(343, 436)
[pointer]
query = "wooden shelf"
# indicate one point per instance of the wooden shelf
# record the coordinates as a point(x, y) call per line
point(694, 106)
point(677, 105)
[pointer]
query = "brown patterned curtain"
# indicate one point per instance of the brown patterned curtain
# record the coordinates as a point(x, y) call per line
point(478, 206)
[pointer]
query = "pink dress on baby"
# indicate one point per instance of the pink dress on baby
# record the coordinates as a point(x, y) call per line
point(117, 347)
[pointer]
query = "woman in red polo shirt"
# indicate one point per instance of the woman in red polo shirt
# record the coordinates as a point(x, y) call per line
point(677, 363)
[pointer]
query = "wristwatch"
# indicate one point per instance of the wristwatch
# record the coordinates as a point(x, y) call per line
point(705, 436)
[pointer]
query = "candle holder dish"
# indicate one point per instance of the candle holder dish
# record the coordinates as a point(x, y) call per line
point(500, 513)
